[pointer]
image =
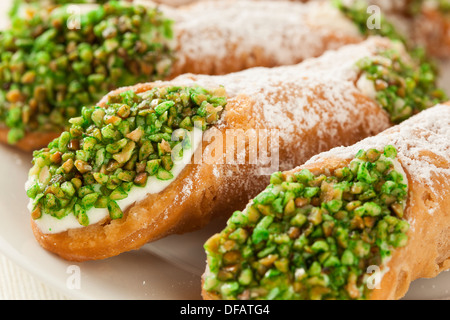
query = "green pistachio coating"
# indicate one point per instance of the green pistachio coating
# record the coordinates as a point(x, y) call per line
point(402, 89)
point(358, 13)
point(48, 71)
point(444, 5)
point(310, 236)
point(109, 150)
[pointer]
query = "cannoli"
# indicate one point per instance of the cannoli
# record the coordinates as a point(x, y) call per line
point(113, 182)
point(57, 61)
point(421, 23)
point(358, 222)
point(229, 36)
point(426, 23)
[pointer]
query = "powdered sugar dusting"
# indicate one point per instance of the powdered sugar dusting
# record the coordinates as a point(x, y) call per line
point(287, 32)
point(423, 144)
point(316, 97)
point(314, 106)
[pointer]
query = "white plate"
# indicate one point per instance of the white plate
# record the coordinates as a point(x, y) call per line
point(167, 269)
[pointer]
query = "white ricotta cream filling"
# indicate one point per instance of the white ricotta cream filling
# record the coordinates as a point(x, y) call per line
point(49, 224)
point(397, 167)
point(367, 87)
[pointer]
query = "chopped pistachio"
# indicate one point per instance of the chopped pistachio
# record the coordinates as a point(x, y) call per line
point(83, 169)
point(319, 249)
point(403, 89)
point(49, 71)
point(422, 95)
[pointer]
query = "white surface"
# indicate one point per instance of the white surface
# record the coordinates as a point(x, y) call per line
point(16, 283)
point(167, 269)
